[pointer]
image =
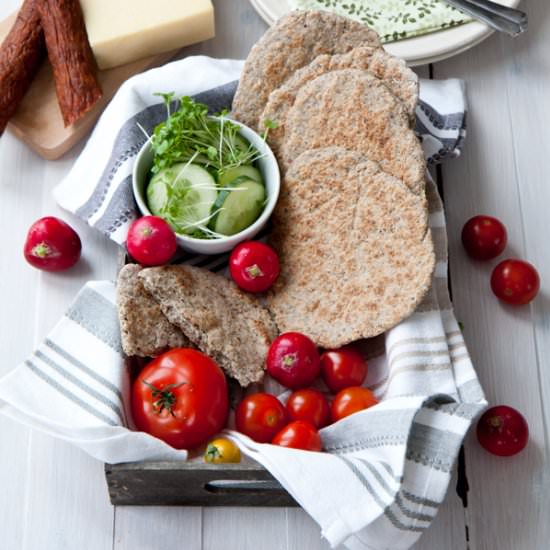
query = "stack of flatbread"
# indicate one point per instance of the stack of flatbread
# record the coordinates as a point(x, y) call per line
point(351, 223)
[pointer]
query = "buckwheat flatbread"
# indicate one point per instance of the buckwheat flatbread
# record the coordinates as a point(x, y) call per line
point(354, 110)
point(356, 251)
point(145, 331)
point(225, 323)
point(393, 72)
point(292, 42)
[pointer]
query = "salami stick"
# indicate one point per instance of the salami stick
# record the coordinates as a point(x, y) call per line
point(72, 60)
point(21, 55)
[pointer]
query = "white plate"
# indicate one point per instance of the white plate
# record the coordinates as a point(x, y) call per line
point(419, 50)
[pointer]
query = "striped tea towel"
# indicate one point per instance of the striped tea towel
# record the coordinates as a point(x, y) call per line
point(384, 471)
point(98, 187)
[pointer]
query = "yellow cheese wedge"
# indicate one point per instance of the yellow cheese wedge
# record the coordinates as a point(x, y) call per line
point(121, 31)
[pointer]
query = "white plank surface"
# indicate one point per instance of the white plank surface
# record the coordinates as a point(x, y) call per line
point(503, 172)
point(55, 496)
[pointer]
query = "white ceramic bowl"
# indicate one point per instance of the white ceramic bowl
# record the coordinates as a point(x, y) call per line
point(267, 165)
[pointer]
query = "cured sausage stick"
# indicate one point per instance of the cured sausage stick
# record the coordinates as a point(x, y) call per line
point(72, 60)
point(21, 55)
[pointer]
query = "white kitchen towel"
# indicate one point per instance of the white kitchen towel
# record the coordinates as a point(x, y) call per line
point(98, 187)
point(384, 472)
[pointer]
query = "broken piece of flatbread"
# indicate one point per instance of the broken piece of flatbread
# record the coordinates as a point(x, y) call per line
point(393, 72)
point(352, 109)
point(145, 331)
point(292, 42)
point(224, 322)
point(356, 252)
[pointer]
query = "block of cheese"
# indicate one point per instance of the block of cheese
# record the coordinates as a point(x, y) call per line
point(122, 31)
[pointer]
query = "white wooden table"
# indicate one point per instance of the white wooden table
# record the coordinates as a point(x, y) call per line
point(54, 496)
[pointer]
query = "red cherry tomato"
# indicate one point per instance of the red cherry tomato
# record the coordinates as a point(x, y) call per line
point(260, 416)
point(299, 435)
point(52, 245)
point(342, 368)
point(181, 397)
point(309, 405)
point(502, 431)
point(351, 400)
point(151, 241)
point(293, 360)
point(484, 237)
point(515, 282)
point(254, 266)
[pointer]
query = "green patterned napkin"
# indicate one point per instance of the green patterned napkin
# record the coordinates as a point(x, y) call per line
point(392, 19)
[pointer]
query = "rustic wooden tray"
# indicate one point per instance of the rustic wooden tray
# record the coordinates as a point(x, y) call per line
point(194, 484)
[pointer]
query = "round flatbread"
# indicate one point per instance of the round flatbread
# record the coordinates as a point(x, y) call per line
point(393, 72)
point(353, 109)
point(356, 252)
point(292, 42)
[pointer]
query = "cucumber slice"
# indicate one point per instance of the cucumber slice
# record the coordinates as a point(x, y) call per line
point(183, 195)
point(240, 208)
point(233, 173)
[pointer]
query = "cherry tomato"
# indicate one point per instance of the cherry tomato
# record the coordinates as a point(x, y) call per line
point(181, 397)
point(515, 282)
point(309, 405)
point(151, 241)
point(502, 431)
point(484, 237)
point(260, 416)
point(222, 451)
point(293, 360)
point(254, 266)
point(342, 368)
point(351, 400)
point(52, 245)
point(299, 435)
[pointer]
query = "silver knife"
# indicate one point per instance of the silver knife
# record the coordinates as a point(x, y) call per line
point(501, 18)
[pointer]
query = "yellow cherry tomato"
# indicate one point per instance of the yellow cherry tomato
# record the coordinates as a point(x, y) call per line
point(221, 451)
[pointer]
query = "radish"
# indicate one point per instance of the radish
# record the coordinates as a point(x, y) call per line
point(151, 241)
point(52, 245)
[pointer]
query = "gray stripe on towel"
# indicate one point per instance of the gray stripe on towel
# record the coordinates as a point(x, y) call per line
point(84, 368)
point(386, 509)
point(80, 384)
point(69, 395)
point(98, 316)
point(433, 447)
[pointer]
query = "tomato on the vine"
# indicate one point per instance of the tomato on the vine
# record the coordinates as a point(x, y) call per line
point(299, 435)
point(309, 405)
point(351, 400)
point(293, 360)
point(502, 431)
point(181, 397)
point(515, 282)
point(484, 237)
point(260, 416)
point(254, 266)
point(342, 368)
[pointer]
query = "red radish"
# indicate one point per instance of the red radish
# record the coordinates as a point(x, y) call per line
point(293, 360)
point(151, 241)
point(52, 245)
point(254, 266)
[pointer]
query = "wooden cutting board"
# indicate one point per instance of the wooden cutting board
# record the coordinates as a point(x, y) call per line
point(37, 121)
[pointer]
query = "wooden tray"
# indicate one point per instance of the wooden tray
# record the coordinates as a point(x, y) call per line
point(194, 484)
point(37, 121)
